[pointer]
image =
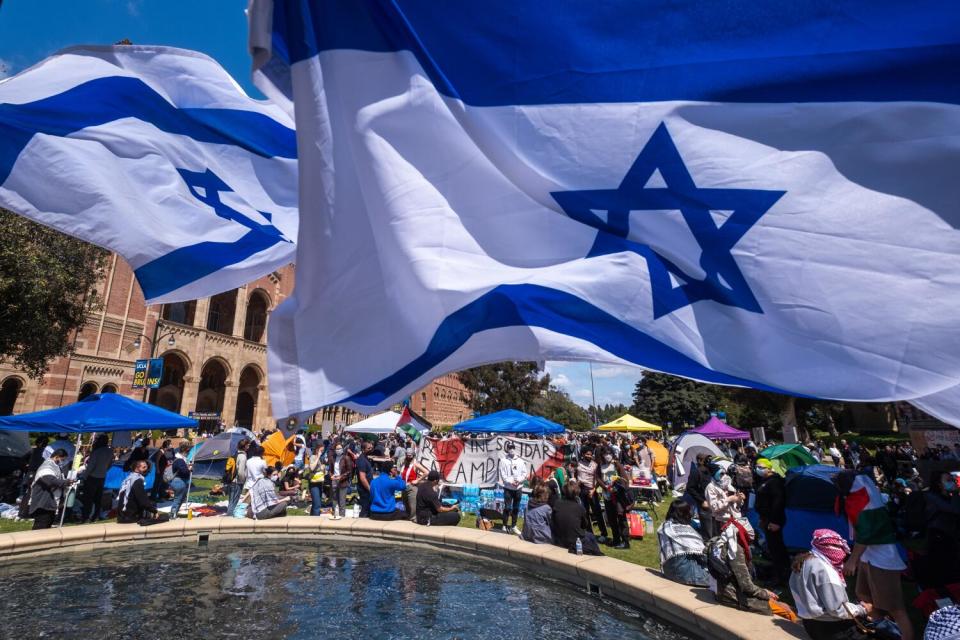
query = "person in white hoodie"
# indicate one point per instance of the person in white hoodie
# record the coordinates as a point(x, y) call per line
point(513, 473)
point(820, 590)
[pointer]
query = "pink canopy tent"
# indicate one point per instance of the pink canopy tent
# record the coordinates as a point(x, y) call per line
point(717, 429)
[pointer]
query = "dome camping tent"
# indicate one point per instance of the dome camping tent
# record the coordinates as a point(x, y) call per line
point(811, 502)
point(683, 453)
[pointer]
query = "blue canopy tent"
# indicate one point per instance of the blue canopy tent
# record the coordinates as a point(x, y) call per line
point(99, 412)
point(509, 421)
point(810, 502)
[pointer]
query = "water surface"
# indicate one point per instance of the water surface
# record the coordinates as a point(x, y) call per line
point(262, 590)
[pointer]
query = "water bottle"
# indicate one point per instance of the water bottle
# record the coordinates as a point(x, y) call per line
point(579, 547)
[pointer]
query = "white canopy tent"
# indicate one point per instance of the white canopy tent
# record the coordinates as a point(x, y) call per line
point(385, 422)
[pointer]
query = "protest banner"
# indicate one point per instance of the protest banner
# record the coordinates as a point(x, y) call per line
point(476, 460)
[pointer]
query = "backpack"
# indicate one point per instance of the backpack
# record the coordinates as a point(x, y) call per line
point(717, 564)
point(743, 478)
point(230, 470)
point(168, 474)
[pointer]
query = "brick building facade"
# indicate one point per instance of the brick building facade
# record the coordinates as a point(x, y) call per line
point(214, 353)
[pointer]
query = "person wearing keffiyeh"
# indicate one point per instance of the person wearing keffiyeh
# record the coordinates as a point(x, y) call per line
point(134, 505)
point(819, 589)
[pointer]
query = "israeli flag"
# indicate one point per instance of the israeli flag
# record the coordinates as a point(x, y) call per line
point(155, 153)
point(738, 193)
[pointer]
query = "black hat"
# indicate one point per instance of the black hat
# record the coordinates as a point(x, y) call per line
point(433, 476)
point(509, 446)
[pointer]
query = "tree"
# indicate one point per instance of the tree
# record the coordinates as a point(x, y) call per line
point(557, 406)
point(608, 412)
point(662, 398)
point(46, 289)
point(505, 385)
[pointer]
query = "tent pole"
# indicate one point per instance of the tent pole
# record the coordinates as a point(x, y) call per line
point(189, 485)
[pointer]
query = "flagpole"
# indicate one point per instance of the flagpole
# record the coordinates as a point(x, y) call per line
point(593, 394)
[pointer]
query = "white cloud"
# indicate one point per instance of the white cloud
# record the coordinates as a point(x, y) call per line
point(615, 371)
point(582, 394)
point(561, 380)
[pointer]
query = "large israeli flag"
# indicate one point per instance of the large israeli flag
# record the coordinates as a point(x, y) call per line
point(155, 153)
point(733, 192)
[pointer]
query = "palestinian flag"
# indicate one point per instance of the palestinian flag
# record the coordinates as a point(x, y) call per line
point(867, 514)
point(412, 425)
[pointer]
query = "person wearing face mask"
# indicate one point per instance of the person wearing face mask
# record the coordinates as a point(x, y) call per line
point(513, 473)
point(47, 490)
point(264, 501)
point(608, 473)
point(724, 501)
point(942, 510)
point(340, 469)
point(589, 498)
point(412, 473)
point(771, 507)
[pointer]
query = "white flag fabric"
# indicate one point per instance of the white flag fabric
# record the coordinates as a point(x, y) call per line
point(720, 191)
point(155, 153)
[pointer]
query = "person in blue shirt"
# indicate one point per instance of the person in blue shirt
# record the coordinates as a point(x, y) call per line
point(382, 489)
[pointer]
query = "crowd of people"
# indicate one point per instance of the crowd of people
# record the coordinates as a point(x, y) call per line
point(730, 513)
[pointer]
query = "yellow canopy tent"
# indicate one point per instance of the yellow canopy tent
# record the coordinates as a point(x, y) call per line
point(277, 448)
point(627, 422)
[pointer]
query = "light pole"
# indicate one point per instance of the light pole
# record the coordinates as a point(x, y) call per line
point(171, 342)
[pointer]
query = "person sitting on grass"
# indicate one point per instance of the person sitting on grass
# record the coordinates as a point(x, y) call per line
point(682, 556)
point(537, 521)
point(383, 488)
point(134, 505)
point(570, 522)
point(264, 501)
point(430, 510)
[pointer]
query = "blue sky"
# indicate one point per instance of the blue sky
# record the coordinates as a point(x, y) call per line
point(614, 384)
point(31, 30)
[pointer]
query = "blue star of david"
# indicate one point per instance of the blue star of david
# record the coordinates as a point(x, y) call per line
point(608, 211)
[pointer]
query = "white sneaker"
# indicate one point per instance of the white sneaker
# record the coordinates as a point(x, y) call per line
point(516, 530)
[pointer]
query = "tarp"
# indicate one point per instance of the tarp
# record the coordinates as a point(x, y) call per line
point(627, 422)
point(14, 444)
point(509, 421)
point(276, 448)
point(385, 422)
point(683, 453)
point(219, 447)
point(717, 429)
point(788, 456)
point(98, 413)
point(810, 502)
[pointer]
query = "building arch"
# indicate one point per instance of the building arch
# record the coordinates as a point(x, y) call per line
point(255, 323)
point(87, 389)
point(109, 388)
point(223, 308)
point(10, 392)
point(248, 395)
point(213, 386)
point(169, 395)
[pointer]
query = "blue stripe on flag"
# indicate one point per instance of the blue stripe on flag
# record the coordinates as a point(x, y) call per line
point(517, 52)
point(555, 310)
point(112, 98)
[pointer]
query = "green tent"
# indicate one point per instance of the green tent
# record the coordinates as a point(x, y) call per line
point(787, 456)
